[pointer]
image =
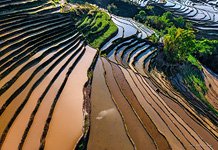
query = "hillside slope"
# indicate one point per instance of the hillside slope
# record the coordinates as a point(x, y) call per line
point(57, 92)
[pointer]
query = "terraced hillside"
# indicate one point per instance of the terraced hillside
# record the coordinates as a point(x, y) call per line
point(42, 54)
point(57, 92)
point(202, 13)
point(133, 106)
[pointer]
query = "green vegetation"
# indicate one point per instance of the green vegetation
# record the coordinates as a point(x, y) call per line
point(154, 38)
point(56, 1)
point(194, 61)
point(118, 7)
point(209, 57)
point(180, 47)
point(141, 16)
point(95, 24)
point(178, 44)
point(161, 21)
point(90, 74)
point(178, 36)
point(194, 80)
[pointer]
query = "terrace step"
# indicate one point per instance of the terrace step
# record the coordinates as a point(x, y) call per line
point(26, 42)
point(45, 47)
point(45, 74)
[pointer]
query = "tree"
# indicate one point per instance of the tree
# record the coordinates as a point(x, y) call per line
point(141, 16)
point(178, 44)
point(160, 22)
point(179, 22)
point(113, 8)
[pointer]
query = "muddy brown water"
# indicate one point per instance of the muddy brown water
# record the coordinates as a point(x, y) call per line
point(158, 138)
point(12, 140)
point(182, 130)
point(33, 137)
point(42, 114)
point(107, 129)
point(151, 111)
point(19, 82)
point(167, 87)
point(165, 115)
point(188, 131)
point(194, 124)
point(10, 110)
point(14, 136)
point(191, 121)
point(135, 129)
point(67, 121)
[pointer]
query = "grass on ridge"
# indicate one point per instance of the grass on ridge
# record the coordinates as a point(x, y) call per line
point(196, 84)
point(95, 24)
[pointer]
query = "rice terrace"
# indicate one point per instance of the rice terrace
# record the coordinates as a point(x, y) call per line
point(108, 74)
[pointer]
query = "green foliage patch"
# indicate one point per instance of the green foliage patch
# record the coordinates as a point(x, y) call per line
point(194, 80)
point(56, 1)
point(96, 25)
point(180, 47)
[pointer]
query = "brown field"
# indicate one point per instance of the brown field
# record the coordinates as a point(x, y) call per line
point(105, 117)
point(43, 111)
point(135, 128)
point(66, 131)
point(58, 93)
